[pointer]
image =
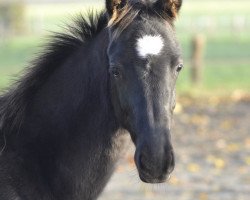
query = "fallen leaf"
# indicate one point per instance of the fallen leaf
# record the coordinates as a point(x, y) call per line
point(226, 125)
point(219, 163)
point(203, 196)
point(233, 147)
point(247, 160)
point(200, 120)
point(174, 181)
point(193, 167)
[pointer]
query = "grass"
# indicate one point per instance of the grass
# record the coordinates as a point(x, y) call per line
point(14, 56)
point(220, 80)
point(227, 54)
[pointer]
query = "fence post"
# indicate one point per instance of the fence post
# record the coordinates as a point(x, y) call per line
point(198, 45)
point(12, 16)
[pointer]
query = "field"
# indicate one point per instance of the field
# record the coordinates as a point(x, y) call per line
point(227, 52)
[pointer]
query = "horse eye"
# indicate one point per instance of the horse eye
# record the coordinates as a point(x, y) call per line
point(179, 67)
point(115, 72)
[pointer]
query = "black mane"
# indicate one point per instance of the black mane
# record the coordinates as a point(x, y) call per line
point(14, 102)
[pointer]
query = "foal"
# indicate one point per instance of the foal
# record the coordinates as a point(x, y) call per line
point(60, 126)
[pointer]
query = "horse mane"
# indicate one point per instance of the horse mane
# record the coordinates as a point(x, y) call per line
point(13, 103)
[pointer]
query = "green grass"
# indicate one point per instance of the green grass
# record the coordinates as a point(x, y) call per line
point(14, 56)
point(216, 79)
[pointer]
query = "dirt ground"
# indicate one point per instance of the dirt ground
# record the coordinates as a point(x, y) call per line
point(212, 146)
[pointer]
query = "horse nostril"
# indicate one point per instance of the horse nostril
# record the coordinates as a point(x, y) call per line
point(172, 163)
point(169, 163)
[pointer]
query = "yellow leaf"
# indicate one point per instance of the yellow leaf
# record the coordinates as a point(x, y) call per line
point(226, 125)
point(200, 120)
point(193, 167)
point(219, 163)
point(203, 196)
point(247, 160)
point(233, 147)
point(174, 181)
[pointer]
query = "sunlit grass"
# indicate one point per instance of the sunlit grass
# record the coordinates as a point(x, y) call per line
point(219, 80)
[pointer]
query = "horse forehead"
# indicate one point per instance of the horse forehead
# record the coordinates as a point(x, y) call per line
point(147, 45)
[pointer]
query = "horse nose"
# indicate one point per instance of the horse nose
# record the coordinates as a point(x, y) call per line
point(155, 167)
point(168, 162)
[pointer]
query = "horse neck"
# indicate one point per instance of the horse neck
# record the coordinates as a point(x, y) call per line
point(74, 103)
point(69, 127)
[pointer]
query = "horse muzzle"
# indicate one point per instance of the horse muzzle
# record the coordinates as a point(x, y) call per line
point(154, 163)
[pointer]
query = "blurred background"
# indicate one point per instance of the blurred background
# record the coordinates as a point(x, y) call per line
point(211, 130)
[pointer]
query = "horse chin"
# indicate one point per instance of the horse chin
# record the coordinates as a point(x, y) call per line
point(151, 180)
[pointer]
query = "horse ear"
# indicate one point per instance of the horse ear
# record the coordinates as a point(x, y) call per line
point(113, 6)
point(170, 8)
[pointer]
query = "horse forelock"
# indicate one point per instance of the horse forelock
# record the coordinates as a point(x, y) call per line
point(123, 17)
